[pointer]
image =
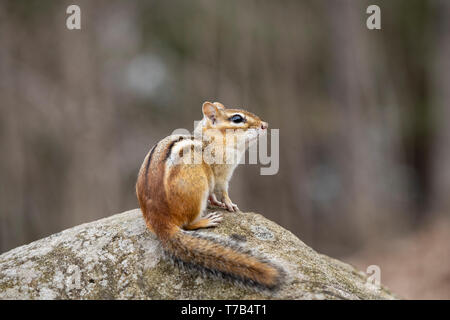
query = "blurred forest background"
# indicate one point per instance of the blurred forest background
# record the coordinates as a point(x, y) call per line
point(363, 116)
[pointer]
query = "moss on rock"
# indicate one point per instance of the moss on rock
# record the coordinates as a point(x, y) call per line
point(118, 258)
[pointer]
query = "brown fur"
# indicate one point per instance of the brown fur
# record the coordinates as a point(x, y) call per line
point(173, 197)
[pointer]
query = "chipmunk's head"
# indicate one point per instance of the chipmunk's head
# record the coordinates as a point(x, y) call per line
point(238, 122)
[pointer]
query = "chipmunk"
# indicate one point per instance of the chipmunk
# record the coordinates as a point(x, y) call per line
point(173, 196)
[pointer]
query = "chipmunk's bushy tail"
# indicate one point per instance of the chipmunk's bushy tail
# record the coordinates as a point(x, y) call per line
point(223, 258)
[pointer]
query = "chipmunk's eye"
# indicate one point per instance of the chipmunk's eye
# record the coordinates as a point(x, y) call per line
point(237, 118)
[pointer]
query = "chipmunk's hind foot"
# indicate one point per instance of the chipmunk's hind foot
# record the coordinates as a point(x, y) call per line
point(210, 220)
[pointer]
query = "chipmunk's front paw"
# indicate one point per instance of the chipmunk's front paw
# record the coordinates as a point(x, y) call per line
point(214, 219)
point(231, 206)
point(213, 201)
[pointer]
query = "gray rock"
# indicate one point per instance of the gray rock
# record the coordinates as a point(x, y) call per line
point(118, 258)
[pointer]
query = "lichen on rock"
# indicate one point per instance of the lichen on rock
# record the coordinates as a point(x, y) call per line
point(118, 258)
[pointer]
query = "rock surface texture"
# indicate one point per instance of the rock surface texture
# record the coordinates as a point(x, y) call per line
point(118, 258)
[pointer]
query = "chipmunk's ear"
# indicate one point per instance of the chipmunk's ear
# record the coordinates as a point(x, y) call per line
point(219, 105)
point(210, 111)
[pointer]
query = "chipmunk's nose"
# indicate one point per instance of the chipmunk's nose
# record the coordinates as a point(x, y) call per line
point(264, 125)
